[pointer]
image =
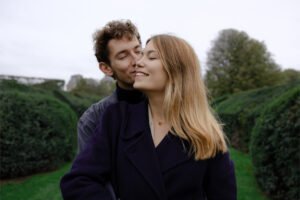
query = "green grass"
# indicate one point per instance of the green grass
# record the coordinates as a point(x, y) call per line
point(246, 184)
point(46, 186)
point(37, 187)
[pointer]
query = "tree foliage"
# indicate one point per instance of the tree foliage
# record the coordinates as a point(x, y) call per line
point(290, 75)
point(237, 63)
point(103, 89)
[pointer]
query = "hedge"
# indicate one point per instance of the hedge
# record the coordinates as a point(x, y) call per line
point(275, 147)
point(37, 133)
point(13, 85)
point(240, 111)
point(78, 102)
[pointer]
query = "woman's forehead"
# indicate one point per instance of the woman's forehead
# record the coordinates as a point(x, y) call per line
point(149, 47)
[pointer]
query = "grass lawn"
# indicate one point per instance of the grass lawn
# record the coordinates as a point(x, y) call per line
point(246, 183)
point(46, 186)
point(37, 187)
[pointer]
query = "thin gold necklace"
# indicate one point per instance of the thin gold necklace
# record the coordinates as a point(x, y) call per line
point(150, 121)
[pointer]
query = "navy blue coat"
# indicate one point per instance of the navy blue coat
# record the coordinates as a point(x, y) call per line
point(123, 152)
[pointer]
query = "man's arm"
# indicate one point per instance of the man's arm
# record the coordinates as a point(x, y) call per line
point(90, 119)
point(86, 126)
point(91, 169)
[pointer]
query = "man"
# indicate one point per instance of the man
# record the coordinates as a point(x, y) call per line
point(117, 48)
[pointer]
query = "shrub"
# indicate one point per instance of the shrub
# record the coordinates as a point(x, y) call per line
point(9, 85)
point(275, 147)
point(78, 102)
point(50, 85)
point(239, 112)
point(37, 133)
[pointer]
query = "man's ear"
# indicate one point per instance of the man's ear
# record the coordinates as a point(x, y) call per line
point(106, 69)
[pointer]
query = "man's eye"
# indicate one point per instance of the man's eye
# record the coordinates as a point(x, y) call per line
point(139, 52)
point(122, 57)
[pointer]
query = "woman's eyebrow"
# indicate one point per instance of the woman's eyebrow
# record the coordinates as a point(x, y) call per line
point(150, 51)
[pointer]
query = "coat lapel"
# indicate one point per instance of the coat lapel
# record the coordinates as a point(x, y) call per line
point(172, 152)
point(151, 162)
point(139, 148)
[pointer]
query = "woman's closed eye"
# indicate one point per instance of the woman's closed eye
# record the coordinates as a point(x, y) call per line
point(152, 58)
point(152, 55)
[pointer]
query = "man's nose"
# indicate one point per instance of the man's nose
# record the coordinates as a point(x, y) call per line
point(136, 57)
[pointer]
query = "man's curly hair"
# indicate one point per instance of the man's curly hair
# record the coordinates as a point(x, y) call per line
point(112, 30)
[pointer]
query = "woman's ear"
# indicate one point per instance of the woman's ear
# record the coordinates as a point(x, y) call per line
point(106, 69)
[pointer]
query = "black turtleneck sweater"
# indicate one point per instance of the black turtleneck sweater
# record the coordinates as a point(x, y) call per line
point(130, 96)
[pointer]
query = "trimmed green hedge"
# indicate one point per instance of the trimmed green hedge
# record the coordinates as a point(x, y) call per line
point(79, 103)
point(240, 111)
point(13, 85)
point(37, 132)
point(275, 147)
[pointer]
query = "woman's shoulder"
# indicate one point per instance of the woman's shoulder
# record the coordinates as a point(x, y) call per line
point(220, 156)
point(221, 162)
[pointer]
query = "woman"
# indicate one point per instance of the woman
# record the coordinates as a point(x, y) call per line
point(167, 147)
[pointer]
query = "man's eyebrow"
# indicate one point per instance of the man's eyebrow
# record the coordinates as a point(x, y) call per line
point(138, 46)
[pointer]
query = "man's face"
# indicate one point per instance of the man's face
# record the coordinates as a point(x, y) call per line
point(123, 54)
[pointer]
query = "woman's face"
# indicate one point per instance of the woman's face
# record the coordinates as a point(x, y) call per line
point(150, 75)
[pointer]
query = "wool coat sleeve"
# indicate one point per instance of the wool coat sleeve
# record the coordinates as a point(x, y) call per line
point(92, 167)
point(220, 182)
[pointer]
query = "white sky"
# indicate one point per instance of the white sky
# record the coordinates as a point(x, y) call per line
point(53, 38)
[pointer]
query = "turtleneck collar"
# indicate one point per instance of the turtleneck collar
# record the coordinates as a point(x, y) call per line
point(130, 96)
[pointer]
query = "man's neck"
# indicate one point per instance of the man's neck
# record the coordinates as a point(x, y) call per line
point(130, 96)
point(124, 86)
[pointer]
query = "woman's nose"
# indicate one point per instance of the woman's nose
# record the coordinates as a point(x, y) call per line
point(139, 62)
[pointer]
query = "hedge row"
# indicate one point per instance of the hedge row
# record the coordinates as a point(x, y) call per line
point(275, 147)
point(37, 133)
point(78, 102)
point(37, 126)
point(239, 112)
point(268, 121)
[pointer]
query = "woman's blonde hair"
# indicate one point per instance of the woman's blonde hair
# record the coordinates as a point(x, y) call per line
point(186, 105)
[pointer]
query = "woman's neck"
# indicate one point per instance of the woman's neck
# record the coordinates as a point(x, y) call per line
point(156, 107)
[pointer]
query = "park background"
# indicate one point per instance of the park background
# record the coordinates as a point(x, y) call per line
point(249, 54)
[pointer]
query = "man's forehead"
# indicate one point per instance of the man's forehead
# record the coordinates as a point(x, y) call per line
point(123, 44)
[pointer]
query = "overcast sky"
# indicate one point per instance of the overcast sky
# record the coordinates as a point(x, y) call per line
point(53, 38)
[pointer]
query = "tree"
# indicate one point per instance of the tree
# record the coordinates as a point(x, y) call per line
point(92, 87)
point(237, 63)
point(291, 75)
